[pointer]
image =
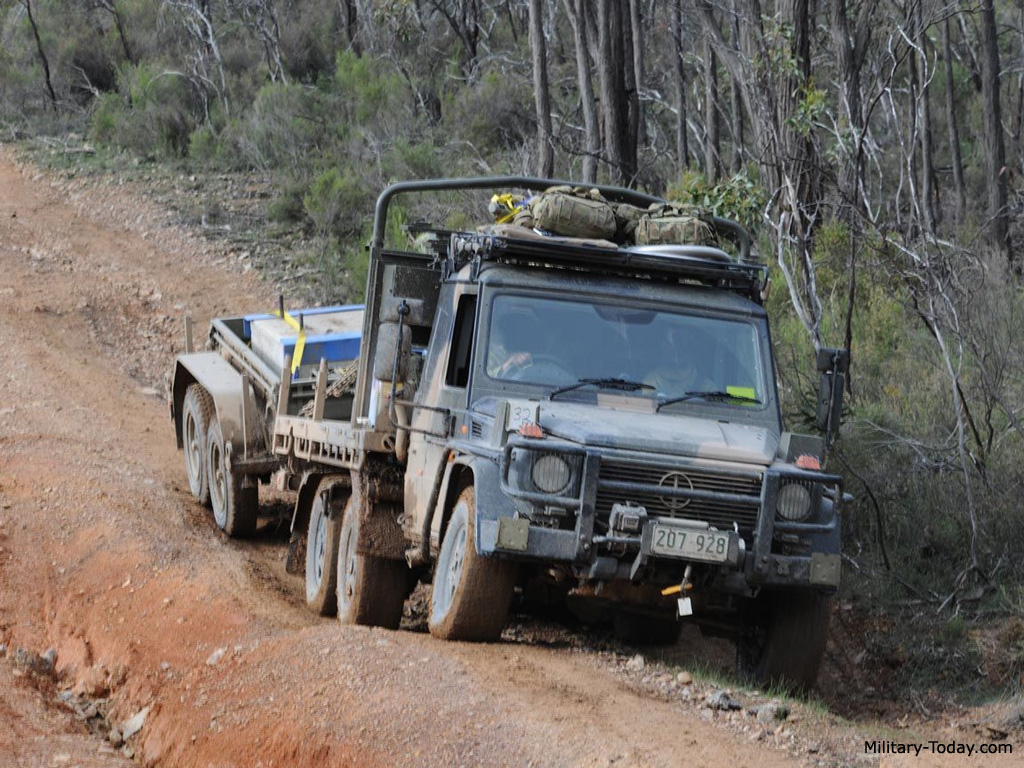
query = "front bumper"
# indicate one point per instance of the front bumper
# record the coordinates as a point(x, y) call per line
point(597, 553)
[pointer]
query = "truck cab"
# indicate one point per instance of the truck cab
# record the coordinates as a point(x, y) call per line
point(612, 435)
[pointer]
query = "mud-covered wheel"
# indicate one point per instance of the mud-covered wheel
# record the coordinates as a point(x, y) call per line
point(371, 590)
point(322, 550)
point(196, 414)
point(782, 640)
point(472, 594)
point(645, 629)
point(235, 505)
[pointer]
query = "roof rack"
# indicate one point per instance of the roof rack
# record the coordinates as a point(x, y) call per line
point(693, 263)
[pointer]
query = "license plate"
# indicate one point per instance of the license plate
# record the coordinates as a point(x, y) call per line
point(689, 543)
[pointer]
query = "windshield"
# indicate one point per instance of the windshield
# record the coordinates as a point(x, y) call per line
point(556, 343)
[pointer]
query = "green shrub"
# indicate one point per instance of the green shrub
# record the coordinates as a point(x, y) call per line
point(736, 198)
point(418, 161)
point(203, 145)
point(148, 117)
point(494, 115)
point(370, 93)
point(284, 129)
point(107, 111)
point(336, 203)
point(288, 206)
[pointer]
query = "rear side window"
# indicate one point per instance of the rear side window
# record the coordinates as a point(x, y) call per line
point(462, 343)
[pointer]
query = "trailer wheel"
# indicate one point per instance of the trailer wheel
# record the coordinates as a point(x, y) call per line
point(196, 415)
point(235, 504)
point(471, 594)
point(371, 590)
point(322, 552)
point(782, 640)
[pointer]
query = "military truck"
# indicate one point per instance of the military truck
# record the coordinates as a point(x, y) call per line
point(533, 417)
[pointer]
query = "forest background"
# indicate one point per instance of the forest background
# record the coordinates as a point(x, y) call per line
point(874, 146)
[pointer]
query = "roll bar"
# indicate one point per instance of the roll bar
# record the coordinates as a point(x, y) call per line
point(727, 227)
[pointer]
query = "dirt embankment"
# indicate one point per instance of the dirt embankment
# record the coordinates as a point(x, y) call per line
point(105, 559)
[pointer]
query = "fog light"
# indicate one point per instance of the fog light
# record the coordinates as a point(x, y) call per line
point(551, 474)
point(793, 503)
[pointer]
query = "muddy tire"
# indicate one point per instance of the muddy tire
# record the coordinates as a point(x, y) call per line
point(472, 594)
point(197, 412)
point(370, 590)
point(235, 506)
point(783, 640)
point(322, 551)
point(644, 629)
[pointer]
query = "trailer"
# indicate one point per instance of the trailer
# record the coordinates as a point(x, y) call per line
point(514, 415)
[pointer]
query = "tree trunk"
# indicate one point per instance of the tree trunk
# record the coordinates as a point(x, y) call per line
point(636, 26)
point(610, 77)
point(995, 150)
point(850, 46)
point(463, 18)
point(797, 148)
point(42, 53)
point(712, 153)
point(111, 7)
point(631, 117)
point(954, 132)
point(545, 152)
point(924, 115)
point(682, 140)
point(577, 10)
point(350, 15)
point(736, 103)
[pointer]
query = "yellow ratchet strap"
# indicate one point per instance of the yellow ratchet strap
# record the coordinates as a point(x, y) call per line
point(300, 341)
point(503, 208)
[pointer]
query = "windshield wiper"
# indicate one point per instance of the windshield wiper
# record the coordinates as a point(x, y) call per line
point(624, 385)
point(715, 394)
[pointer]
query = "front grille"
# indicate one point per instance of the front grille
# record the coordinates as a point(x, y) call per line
point(719, 513)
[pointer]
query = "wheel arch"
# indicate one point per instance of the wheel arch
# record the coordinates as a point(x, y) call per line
point(180, 383)
point(491, 503)
point(458, 477)
point(309, 485)
point(224, 385)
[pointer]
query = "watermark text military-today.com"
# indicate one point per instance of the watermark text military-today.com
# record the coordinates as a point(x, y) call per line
point(936, 748)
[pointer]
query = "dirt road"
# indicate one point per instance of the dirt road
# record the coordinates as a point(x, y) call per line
point(105, 558)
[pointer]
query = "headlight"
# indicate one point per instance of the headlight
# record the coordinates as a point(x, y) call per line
point(793, 502)
point(551, 473)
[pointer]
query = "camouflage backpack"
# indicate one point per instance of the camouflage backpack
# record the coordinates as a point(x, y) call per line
point(664, 223)
point(574, 212)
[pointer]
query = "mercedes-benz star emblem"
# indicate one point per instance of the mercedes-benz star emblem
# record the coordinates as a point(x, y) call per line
point(675, 480)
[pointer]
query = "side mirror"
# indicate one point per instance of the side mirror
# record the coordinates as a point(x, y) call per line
point(394, 339)
point(834, 366)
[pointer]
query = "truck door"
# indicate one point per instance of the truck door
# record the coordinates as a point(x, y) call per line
point(444, 385)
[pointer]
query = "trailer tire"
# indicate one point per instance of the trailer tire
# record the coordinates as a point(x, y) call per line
point(371, 590)
point(322, 552)
point(235, 504)
point(472, 594)
point(196, 414)
point(782, 640)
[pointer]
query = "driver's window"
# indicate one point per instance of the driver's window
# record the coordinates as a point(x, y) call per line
point(515, 337)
